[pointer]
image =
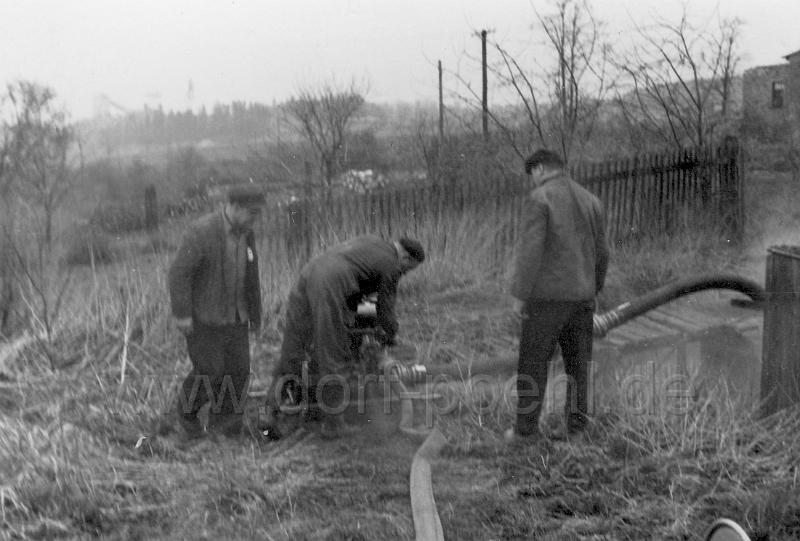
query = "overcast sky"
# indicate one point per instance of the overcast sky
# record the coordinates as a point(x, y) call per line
point(147, 51)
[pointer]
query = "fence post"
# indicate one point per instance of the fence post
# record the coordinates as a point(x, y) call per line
point(706, 180)
point(780, 369)
point(307, 226)
point(648, 187)
point(150, 208)
point(729, 187)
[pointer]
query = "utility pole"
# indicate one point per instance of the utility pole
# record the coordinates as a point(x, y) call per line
point(277, 114)
point(485, 87)
point(441, 105)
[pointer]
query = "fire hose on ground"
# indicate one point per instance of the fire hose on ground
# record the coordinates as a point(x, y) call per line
point(426, 519)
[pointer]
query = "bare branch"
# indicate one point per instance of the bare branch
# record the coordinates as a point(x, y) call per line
point(679, 77)
point(560, 101)
point(322, 115)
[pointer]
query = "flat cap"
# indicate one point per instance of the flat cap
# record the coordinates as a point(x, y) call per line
point(247, 195)
point(545, 157)
point(413, 248)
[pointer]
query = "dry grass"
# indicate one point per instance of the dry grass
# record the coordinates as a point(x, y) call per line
point(84, 451)
point(631, 476)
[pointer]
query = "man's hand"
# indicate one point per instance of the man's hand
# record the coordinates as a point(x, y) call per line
point(518, 306)
point(184, 325)
point(402, 351)
point(384, 339)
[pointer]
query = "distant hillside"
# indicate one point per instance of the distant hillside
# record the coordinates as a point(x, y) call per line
point(227, 128)
point(239, 129)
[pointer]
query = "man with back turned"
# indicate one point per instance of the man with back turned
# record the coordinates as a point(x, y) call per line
point(560, 267)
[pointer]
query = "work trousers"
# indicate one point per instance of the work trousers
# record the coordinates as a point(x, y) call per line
point(545, 324)
point(319, 316)
point(220, 358)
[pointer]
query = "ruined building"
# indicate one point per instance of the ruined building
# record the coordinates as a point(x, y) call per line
point(771, 94)
point(771, 115)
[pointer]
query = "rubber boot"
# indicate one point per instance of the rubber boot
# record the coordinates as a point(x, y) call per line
point(334, 427)
point(192, 428)
point(333, 424)
point(226, 424)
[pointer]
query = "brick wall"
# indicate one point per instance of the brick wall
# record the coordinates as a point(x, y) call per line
point(793, 92)
point(757, 88)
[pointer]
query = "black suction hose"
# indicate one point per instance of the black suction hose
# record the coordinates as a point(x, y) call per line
point(415, 374)
point(629, 310)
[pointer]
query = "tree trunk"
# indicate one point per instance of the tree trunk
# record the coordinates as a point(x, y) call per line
point(48, 227)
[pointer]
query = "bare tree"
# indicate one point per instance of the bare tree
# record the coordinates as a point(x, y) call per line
point(8, 291)
point(726, 41)
point(42, 158)
point(5, 160)
point(426, 143)
point(45, 153)
point(574, 36)
point(322, 115)
point(555, 97)
point(678, 81)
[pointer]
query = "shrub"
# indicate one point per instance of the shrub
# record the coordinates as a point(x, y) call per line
point(655, 260)
point(86, 245)
point(117, 218)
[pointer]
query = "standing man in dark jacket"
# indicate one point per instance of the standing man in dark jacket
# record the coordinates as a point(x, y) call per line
point(560, 267)
point(322, 308)
point(216, 298)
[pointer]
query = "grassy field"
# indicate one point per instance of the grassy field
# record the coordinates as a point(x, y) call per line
point(85, 449)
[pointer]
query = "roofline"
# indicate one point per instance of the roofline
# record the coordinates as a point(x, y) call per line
point(788, 56)
point(771, 66)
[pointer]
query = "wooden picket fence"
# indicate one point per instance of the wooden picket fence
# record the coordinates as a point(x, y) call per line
point(656, 193)
point(660, 193)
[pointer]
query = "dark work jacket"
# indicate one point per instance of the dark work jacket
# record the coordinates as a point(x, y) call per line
point(562, 254)
point(197, 275)
point(374, 265)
